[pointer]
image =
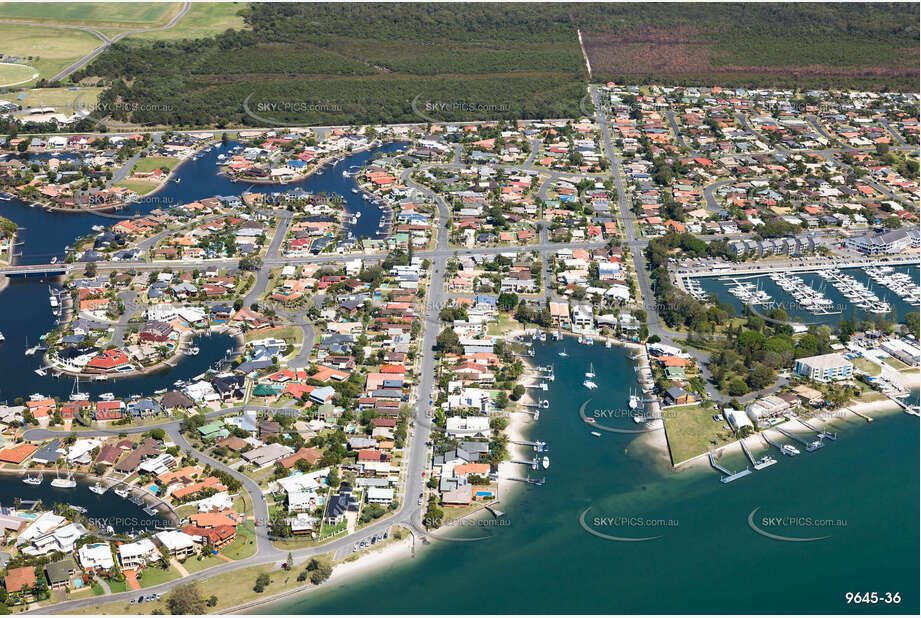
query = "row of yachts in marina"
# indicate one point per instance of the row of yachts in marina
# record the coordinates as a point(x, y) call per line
point(860, 295)
point(901, 284)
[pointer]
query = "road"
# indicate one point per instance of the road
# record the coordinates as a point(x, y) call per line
point(79, 64)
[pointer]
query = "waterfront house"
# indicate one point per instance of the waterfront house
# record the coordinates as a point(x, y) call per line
point(678, 396)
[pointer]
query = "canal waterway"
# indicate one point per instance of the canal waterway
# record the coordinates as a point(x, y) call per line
point(25, 314)
point(103, 510)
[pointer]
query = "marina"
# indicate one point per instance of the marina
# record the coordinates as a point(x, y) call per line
point(813, 296)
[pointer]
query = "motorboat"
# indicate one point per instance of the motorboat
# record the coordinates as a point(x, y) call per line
point(121, 492)
point(590, 385)
point(545, 462)
point(107, 397)
point(787, 449)
point(193, 351)
point(96, 488)
point(596, 434)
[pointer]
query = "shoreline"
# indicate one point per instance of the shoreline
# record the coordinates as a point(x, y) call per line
point(821, 420)
point(343, 570)
point(162, 365)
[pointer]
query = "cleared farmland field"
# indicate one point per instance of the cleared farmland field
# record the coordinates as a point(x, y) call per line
point(103, 14)
point(204, 19)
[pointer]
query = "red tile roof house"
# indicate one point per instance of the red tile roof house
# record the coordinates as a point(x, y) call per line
point(109, 361)
point(370, 454)
point(109, 410)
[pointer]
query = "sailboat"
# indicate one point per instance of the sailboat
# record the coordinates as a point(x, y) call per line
point(591, 371)
point(67, 482)
point(563, 353)
point(590, 385)
point(33, 480)
point(75, 394)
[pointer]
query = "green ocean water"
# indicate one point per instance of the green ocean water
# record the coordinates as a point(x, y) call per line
point(864, 487)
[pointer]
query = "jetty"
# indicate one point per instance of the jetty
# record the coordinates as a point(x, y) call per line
point(540, 447)
point(821, 433)
point(538, 482)
point(494, 511)
point(810, 446)
point(869, 419)
point(729, 476)
point(757, 464)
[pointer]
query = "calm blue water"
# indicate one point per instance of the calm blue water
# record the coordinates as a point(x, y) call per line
point(714, 285)
point(103, 510)
point(25, 314)
point(710, 562)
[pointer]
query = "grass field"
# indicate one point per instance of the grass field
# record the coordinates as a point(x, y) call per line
point(12, 74)
point(203, 20)
point(866, 365)
point(111, 14)
point(47, 49)
point(141, 187)
point(61, 98)
point(149, 164)
point(689, 430)
point(895, 363)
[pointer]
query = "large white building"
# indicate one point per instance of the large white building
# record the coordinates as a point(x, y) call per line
point(894, 241)
point(824, 368)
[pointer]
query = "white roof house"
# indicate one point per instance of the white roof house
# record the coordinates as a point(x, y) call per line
point(303, 500)
point(380, 495)
point(218, 502)
point(471, 425)
point(96, 556)
point(63, 539)
point(158, 465)
point(302, 482)
point(134, 555)
point(175, 541)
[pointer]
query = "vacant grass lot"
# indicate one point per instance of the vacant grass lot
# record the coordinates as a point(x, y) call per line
point(869, 366)
point(690, 429)
point(63, 98)
point(141, 187)
point(149, 164)
point(47, 49)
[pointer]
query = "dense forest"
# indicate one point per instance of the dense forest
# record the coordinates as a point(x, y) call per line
point(323, 63)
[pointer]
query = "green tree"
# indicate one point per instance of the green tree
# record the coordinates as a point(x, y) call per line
point(185, 599)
